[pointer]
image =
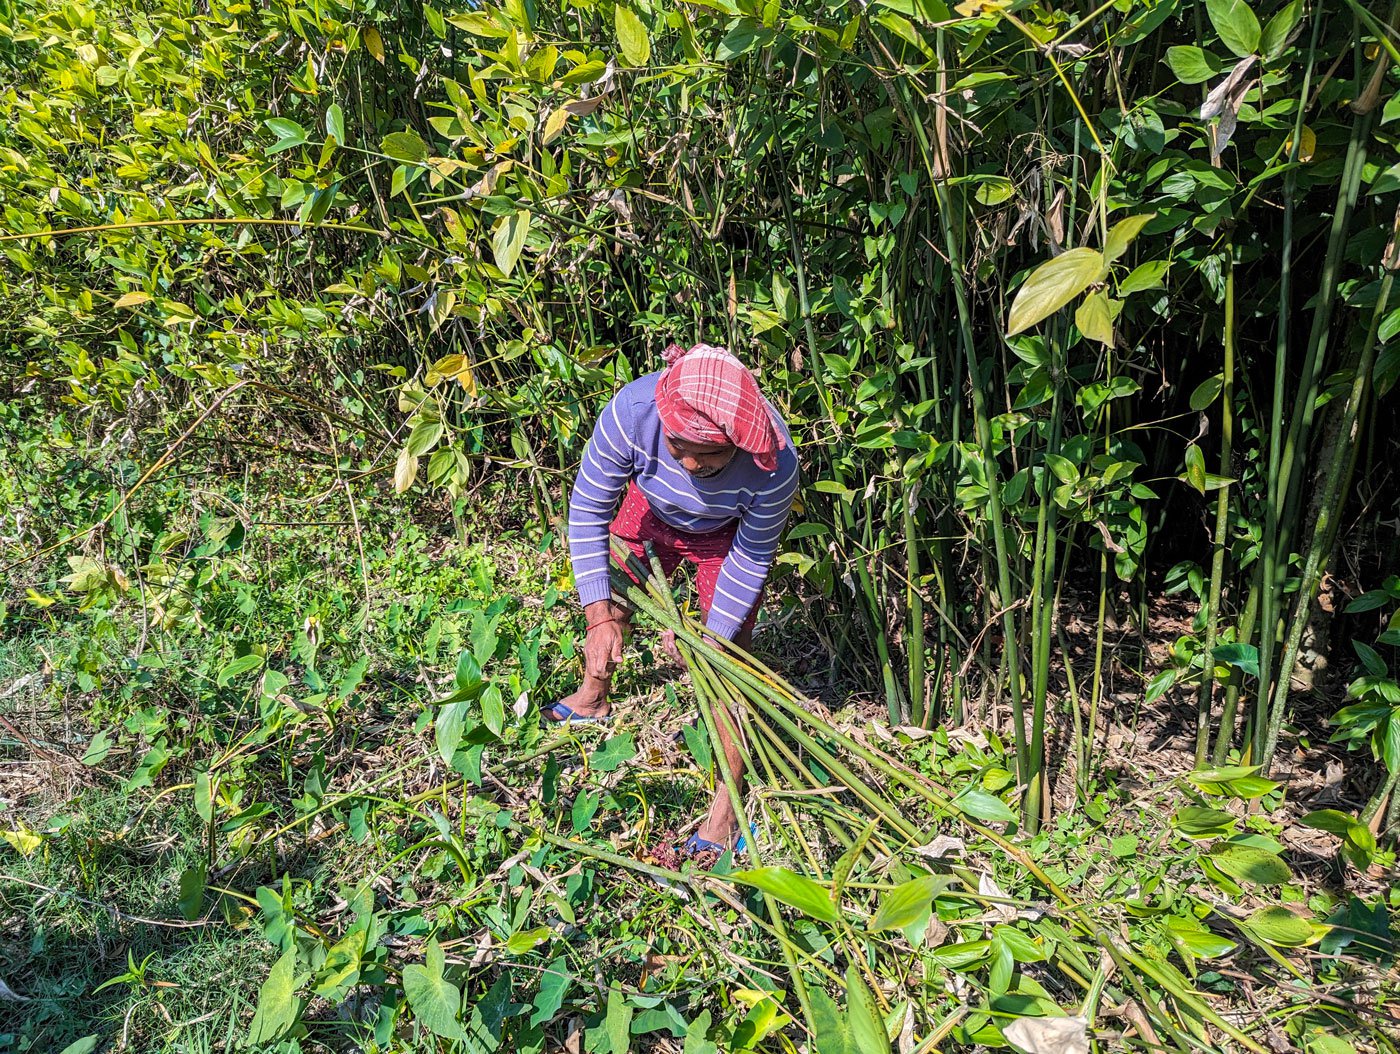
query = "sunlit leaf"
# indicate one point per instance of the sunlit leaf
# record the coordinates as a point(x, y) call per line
point(1094, 317)
point(1191, 64)
point(1206, 392)
point(1279, 29)
point(1279, 926)
point(1237, 25)
point(632, 39)
point(435, 1000)
point(405, 471)
point(404, 146)
point(908, 902)
point(374, 44)
point(335, 123)
point(289, 134)
point(867, 1027)
point(1249, 864)
point(614, 753)
point(980, 805)
point(1122, 234)
point(1052, 285)
point(794, 890)
point(509, 240)
point(554, 124)
point(278, 1007)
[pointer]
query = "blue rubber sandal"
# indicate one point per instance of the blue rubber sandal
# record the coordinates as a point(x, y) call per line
point(559, 714)
point(695, 844)
point(679, 737)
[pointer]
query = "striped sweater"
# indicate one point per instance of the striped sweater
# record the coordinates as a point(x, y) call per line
point(628, 444)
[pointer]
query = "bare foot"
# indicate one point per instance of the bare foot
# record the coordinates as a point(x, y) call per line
point(725, 834)
point(583, 703)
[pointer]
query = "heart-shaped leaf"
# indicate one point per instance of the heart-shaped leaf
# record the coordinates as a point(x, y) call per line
point(435, 1000)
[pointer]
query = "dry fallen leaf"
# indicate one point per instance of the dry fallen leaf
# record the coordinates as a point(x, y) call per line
point(1049, 1035)
point(1223, 103)
point(482, 954)
point(943, 845)
point(987, 886)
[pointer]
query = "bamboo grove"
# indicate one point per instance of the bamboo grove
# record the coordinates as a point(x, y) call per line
point(1068, 305)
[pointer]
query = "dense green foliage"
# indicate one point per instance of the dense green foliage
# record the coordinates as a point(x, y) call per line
point(1068, 310)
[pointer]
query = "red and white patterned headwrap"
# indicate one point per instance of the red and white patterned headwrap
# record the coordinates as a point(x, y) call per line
point(706, 395)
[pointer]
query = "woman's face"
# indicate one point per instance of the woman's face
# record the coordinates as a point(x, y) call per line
point(701, 459)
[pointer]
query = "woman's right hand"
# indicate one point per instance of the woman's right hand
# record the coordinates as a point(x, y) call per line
point(602, 650)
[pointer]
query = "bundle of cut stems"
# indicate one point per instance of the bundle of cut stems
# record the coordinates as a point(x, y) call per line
point(870, 810)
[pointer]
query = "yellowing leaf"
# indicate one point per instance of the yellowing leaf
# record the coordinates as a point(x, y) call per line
point(131, 299)
point(374, 44)
point(441, 310)
point(1052, 285)
point(1196, 468)
point(38, 599)
point(1122, 235)
point(445, 369)
point(405, 471)
point(978, 8)
point(23, 841)
point(1307, 145)
point(1094, 317)
point(631, 36)
point(509, 240)
point(554, 124)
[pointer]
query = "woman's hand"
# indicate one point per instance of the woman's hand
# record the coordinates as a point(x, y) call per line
point(668, 645)
point(602, 650)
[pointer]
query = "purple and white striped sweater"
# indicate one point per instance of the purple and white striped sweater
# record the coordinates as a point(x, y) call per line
point(628, 444)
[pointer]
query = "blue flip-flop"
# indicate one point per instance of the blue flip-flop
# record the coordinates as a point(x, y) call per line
point(564, 715)
point(695, 844)
point(679, 737)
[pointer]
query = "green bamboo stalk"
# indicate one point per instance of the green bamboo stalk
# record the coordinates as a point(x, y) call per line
point(784, 706)
point(1270, 556)
point(1081, 746)
point(1042, 617)
point(1096, 691)
point(1244, 635)
point(898, 94)
point(1330, 505)
point(917, 693)
point(799, 985)
point(1220, 540)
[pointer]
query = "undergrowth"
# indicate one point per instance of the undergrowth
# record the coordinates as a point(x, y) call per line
point(259, 824)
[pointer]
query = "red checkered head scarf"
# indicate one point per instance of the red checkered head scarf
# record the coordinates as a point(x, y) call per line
point(706, 395)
